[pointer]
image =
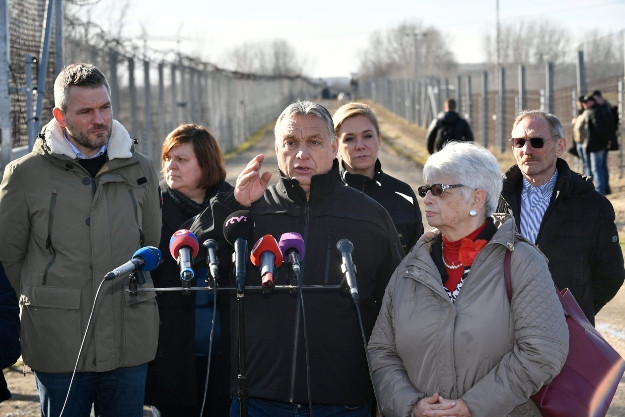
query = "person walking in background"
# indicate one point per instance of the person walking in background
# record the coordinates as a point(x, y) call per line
point(76, 207)
point(610, 130)
point(194, 171)
point(359, 140)
point(449, 126)
point(9, 331)
point(298, 361)
point(594, 143)
point(447, 340)
point(577, 123)
point(561, 212)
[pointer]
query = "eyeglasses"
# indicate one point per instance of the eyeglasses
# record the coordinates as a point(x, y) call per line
point(436, 189)
point(536, 143)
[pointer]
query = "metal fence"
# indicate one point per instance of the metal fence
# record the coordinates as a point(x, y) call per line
point(151, 95)
point(489, 98)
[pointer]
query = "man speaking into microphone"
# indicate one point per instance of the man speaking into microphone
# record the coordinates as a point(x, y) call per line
point(310, 199)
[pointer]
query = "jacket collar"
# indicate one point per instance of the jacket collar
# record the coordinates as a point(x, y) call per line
point(568, 182)
point(358, 181)
point(119, 145)
point(505, 235)
point(320, 186)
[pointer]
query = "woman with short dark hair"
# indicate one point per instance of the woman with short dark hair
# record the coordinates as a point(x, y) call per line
point(194, 171)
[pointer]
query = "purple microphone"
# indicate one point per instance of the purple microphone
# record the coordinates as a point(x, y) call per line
point(292, 247)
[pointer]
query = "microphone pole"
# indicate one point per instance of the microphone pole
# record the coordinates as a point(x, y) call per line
point(211, 246)
point(345, 248)
point(242, 376)
point(238, 227)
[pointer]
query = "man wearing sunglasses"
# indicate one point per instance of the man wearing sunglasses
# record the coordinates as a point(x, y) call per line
point(561, 212)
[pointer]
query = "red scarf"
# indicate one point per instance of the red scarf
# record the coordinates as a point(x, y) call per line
point(462, 252)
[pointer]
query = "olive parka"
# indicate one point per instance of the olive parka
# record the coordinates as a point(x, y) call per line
point(62, 231)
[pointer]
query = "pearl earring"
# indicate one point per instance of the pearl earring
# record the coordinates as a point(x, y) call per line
point(473, 213)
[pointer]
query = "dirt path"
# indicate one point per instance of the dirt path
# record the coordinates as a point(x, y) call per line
point(400, 155)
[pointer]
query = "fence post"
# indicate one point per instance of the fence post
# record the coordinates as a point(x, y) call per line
point(469, 101)
point(439, 96)
point(147, 125)
point(113, 81)
point(581, 73)
point(460, 105)
point(174, 99)
point(59, 37)
point(549, 87)
point(501, 110)
point(620, 127)
point(5, 99)
point(161, 102)
point(132, 88)
point(484, 110)
point(521, 98)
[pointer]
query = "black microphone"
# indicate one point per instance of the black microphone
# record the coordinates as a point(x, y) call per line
point(238, 228)
point(144, 259)
point(345, 248)
point(211, 247)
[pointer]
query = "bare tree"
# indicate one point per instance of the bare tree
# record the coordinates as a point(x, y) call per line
point(395, 53)
point(603, 53)
point(533, 42)
point(275, 57)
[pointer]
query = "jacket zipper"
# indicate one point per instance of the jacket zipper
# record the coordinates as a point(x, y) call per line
point(49, 245)
point(298, 309)
point(134, 204)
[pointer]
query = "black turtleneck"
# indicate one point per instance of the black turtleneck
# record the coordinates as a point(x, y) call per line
point(93, 165)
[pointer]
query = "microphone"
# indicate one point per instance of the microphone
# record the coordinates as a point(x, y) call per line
point(345, 247)
point(183, 247)
point(292, 247)
point(237, 228)
point(211, 247)
point(266, 254)
point(144, 259)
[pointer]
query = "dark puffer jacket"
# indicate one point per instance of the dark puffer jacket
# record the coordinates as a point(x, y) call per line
point(274, 328)
point(455, 128)
point(396, 197)
point(172, 378)
point(578, 235)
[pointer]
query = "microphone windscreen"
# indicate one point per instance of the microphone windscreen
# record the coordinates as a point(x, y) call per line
point(151, 256)
point(264, 244)
point(292, 240)
point(239, 224)
point(183, 238)
point(345, 246)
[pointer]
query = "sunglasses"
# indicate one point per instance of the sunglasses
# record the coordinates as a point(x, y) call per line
point(536, 143)
point(436, 189)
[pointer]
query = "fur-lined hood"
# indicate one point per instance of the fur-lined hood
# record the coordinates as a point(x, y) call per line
point(120, 144)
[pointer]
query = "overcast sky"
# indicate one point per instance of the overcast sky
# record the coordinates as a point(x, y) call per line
point(331, 35)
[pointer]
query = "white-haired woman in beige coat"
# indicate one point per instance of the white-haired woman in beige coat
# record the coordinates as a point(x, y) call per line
point(448, 342)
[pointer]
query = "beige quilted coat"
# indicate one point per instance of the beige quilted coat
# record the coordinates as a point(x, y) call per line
point(491, 353)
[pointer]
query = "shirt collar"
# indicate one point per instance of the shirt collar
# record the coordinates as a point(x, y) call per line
point(80, 155)
point(545, 189)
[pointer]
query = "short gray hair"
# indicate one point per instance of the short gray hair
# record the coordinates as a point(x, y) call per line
point(304, 108)
point(555, 126)
point(477, 167)
point(80, 75)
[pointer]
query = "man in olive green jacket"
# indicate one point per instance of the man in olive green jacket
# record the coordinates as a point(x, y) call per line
point(76, 207)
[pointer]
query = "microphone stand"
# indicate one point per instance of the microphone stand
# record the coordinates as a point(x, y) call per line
point(242, 375)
